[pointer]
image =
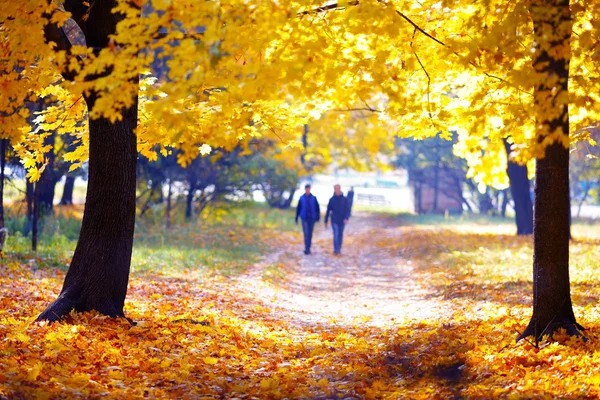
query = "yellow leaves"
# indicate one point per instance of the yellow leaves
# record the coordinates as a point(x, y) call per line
point(35, 370)
point(269, 384)
point(210, 360)
point(59, 17)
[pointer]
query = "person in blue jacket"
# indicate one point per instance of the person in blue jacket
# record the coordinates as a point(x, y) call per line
point(309, 212)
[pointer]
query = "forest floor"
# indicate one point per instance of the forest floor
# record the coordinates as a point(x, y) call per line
point(414, 308)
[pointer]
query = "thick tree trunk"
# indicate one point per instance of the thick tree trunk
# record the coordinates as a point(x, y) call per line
point(67, 196)
point(552, 307)
point(99, 273)
point(519, 188)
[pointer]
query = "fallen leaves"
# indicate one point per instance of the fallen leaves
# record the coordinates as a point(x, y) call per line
point(199, 335)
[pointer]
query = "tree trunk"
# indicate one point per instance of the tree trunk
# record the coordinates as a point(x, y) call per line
point(287, 203)
point(485, 203)
point(29, 200)
point(189, 202)
point(99, 273)
point(519, 188)
point(436, 184)
point(35, 216)
point(168, 210)
point(418, 198)
point(504, 205)
point(3, 233)
point(47, 182)
point(67, 196)
point(552, 308)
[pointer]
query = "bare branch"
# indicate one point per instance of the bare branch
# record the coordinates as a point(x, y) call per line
point(328, 7)
point(428, 77)
point(357, 109)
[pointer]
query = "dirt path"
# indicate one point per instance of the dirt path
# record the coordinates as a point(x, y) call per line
point(365, 285)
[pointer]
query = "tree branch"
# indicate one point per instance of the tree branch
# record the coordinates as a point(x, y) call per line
point(328, 7)
point(58, 36)
point(357, 109)
point(421, 30)
point(426, 73)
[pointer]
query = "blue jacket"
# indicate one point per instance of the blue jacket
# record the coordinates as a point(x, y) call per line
point(312, 208)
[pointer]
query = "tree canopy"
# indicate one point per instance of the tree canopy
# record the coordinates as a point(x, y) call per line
point(235, 70)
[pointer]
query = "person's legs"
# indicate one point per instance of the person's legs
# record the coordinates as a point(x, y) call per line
point(336, 237)
point(338, 231)
point(340, 237)
point(308, 241)
point(307, 233)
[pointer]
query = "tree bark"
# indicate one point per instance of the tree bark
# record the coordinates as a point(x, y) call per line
point(3, 233)
point(552, 308)
point(582, 200)
point(99, 272)
point(519, 188)
point(189, 202)
point(436, 183)
point(47, 182)
point(168, 210)
point(504, 205)
point(288, 201)
point(67, 196)
point(485, 203)
point(35, 216)
point(418, 198)
point(29, 186)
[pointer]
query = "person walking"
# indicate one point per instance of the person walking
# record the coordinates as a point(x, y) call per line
point(350, 197)
point(340, 213)
point(309, 212)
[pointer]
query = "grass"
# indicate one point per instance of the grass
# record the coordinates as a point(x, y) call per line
point(223, 240)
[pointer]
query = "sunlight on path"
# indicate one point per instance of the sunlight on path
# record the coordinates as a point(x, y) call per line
point(365, 285)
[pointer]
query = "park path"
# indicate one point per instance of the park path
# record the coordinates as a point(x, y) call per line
point(366, 285)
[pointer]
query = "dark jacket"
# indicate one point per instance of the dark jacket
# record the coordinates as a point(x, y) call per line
point(338, 208)
point(312, 209)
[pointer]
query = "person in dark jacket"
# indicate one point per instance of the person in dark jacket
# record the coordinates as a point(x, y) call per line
point(340, 213)
point(350, 197)
point(309, 212)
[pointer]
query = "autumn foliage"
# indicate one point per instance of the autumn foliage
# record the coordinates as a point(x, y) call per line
point(460, 292)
